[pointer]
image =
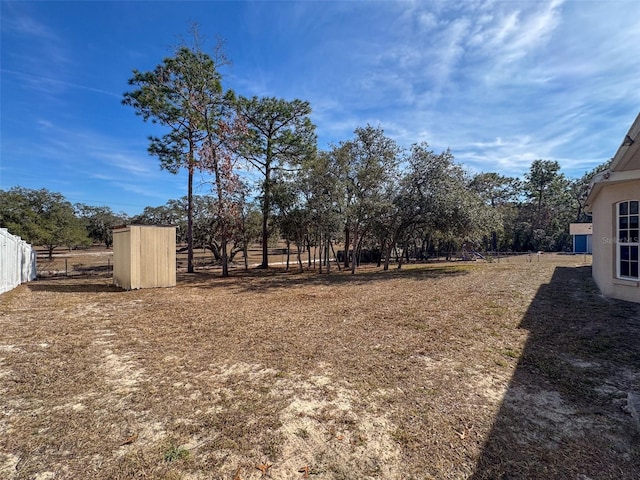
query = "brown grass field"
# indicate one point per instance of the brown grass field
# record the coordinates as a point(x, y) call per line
point(514, 369)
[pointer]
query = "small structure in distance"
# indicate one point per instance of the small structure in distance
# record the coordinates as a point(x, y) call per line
point(582, 235)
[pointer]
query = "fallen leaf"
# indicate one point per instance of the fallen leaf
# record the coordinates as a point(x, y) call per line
point(304, 470)
point(130, 439)
point(465, 432)
point(237, 475)
point(263, 467)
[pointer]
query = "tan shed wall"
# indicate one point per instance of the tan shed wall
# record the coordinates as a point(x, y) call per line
point(145, 257)
point(122, 258)
point(580, 229)
point(157, 266)
point(604, 241)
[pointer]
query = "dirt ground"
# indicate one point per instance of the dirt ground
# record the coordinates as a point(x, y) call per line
point(516, 369)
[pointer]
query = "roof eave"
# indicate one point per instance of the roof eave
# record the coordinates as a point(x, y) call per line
point(607, 177)
point(628, 149)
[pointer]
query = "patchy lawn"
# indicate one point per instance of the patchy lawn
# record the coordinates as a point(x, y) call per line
point(511, 369)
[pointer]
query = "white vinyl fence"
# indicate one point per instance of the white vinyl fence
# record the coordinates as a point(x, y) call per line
point(17, 261)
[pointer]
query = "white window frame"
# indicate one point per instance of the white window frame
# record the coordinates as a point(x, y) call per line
point(625, 239)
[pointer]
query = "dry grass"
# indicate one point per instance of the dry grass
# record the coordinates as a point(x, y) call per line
point(506, 370)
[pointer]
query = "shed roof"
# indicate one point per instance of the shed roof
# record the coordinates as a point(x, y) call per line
point(137, 225)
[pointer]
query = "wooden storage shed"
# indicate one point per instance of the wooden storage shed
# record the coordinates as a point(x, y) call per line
point(582, 234)
point(144, 256)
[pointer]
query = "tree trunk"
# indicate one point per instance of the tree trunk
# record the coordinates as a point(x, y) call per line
point(326, 255)
point(355, 252)
point(266, 207)
point(320, 247)
point(215, 250)
point(335, 257)
point(300, 247)
point(387, 254)
point(245, 251)
point(346, 247)
point(288, 254)
point(404, 251)
point(222, 215)
point(190, 213)
point(225, 260)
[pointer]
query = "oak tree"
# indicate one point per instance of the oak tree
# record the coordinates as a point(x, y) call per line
point(42, 218)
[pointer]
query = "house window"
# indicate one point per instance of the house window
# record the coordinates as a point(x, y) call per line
point(628, 239)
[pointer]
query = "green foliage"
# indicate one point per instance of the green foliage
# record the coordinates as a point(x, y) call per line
point(546, 216)
point(173, 95)
point(437, 204)
point(184, 94)
point(495, 189)
point(579, 188)
point(174, 213)
point(42, 218)
point(99, 221)
point(535, 214)
point(280, 136)
point(368, 173)
point(174, 453)
point(320, 188)
point(170, 95)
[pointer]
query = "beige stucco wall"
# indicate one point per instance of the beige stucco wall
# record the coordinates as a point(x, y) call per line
point(604, 241)
point(144, 257)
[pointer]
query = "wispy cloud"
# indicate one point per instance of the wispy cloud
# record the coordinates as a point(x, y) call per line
point(532, 75)
point(40, 44)
point(501, 83)
point(45, 84)
point(146, 191)
point(93, 152)
point(96, 166)
point(21, 23)
point(124, 162)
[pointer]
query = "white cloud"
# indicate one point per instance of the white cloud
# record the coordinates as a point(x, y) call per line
point(504, 83)
point(25, 25)
point(39, 43)
point(93, 153)
point(501, 83)
point(53, 86)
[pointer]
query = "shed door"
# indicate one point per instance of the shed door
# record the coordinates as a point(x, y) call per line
point(580, 244)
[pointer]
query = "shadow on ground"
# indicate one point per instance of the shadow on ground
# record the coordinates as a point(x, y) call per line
point(564, 413)
point(277, 278)
point(78, 284)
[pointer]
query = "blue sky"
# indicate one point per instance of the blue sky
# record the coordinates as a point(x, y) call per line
point(500, 83)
